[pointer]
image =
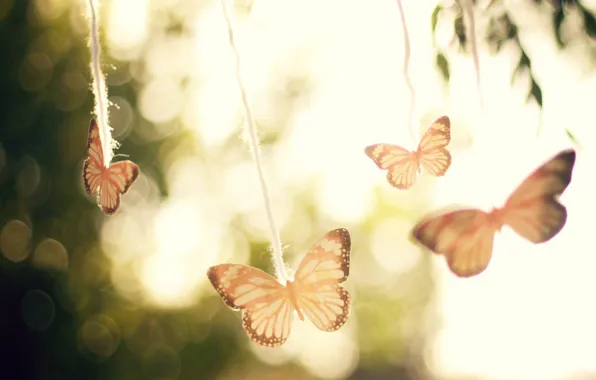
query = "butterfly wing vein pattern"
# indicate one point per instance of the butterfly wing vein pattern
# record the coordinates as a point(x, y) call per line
point(433, 156)
point(265, 303)
point(403, 166)
point(327, 264)
point(267, 306)
point(533, 209)
point(111, 182)
point(465, 237)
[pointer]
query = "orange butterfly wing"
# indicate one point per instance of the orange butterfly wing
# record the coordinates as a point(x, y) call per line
point(464, 237)
point(265, 303)
point(401, 164)
point(533, 209)
point(110, 182)
point(93, 167)
point(432, 154)
point(116, 180)
point(316, 282)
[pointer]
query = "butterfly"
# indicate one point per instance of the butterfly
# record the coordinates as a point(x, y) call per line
point(465, 237)
point(109, 182)
point(268, 306)
point(404, 166)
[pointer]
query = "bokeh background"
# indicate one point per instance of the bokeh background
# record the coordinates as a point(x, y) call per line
point(85, 296)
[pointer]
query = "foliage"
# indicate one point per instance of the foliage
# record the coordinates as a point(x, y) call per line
point(501, 30)
point(87, 328)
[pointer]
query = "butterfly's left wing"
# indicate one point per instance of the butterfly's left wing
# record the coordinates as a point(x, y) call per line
point(401, 164)
point(432, 152)
point(533, 210)
point(115, 181)
point(317, 279)
point(94, 165)
point(464, 237)
point(266, 308)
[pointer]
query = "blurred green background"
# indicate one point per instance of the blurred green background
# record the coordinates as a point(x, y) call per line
point(85, 296)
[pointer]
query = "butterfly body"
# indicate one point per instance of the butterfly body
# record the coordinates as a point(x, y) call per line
point(268, 306)
point(108, 181)
point(465, 237)
point(403, 166)
point(293, 296)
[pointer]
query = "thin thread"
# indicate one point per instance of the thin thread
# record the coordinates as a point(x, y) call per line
point(254, 143)
point(99, 87)
point(406, 70)
point(469, 9)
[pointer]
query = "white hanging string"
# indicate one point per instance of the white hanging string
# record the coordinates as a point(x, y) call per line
point(99, 86)
point(406, 72)
point(254, 144)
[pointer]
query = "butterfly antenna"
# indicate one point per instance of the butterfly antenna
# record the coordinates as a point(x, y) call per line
point(406, 67)
point(254, 143)
point(469, 11)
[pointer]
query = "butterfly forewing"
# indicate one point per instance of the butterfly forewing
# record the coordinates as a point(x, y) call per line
point(464, 237)
point(111, 182)
point(437, 136)
point(266, 308)
point(317, 279)
point(386, 155)
point(533, 209)
point(432, 155)
point(93, 166)
point(401, 164)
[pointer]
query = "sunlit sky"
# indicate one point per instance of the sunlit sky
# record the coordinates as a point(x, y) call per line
point(529, 316)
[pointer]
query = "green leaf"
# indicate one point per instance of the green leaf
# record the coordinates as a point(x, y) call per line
point(590, 23)
point(435, 17)
point(558, 18)
point(523, 63)
point(459, 29)
point(572, 137)
point(536, 93)
point(443, 66)
point(511, 28)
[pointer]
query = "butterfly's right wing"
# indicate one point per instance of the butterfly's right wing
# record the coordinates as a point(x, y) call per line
point(93, 166)
point(533, 209)
point(323, 268)
point(433, 155)
point(464, 237)
point(266, 308)
point(400, 163)
point(116, 181)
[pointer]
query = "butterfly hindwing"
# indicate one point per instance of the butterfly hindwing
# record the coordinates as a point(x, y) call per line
point(319, 295)
point(464, 237)
point(533, 209)
point(116, 180)
point(267, 310)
